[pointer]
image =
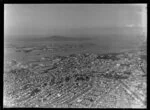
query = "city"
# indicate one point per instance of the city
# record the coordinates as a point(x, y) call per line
point(80, 80)
point(75, 56)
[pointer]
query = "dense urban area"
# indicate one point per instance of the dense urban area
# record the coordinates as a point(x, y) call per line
point(85, 80)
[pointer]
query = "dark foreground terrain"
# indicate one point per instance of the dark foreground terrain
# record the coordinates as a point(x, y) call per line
point(69, 76)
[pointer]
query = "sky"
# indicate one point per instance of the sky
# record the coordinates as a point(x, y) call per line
point(46, 19)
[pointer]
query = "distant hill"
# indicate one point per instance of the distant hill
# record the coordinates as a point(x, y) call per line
point(52, 38)
point(107, 35)
point(63, 38)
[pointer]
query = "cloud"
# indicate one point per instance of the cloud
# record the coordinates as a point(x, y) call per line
point(130, 25)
